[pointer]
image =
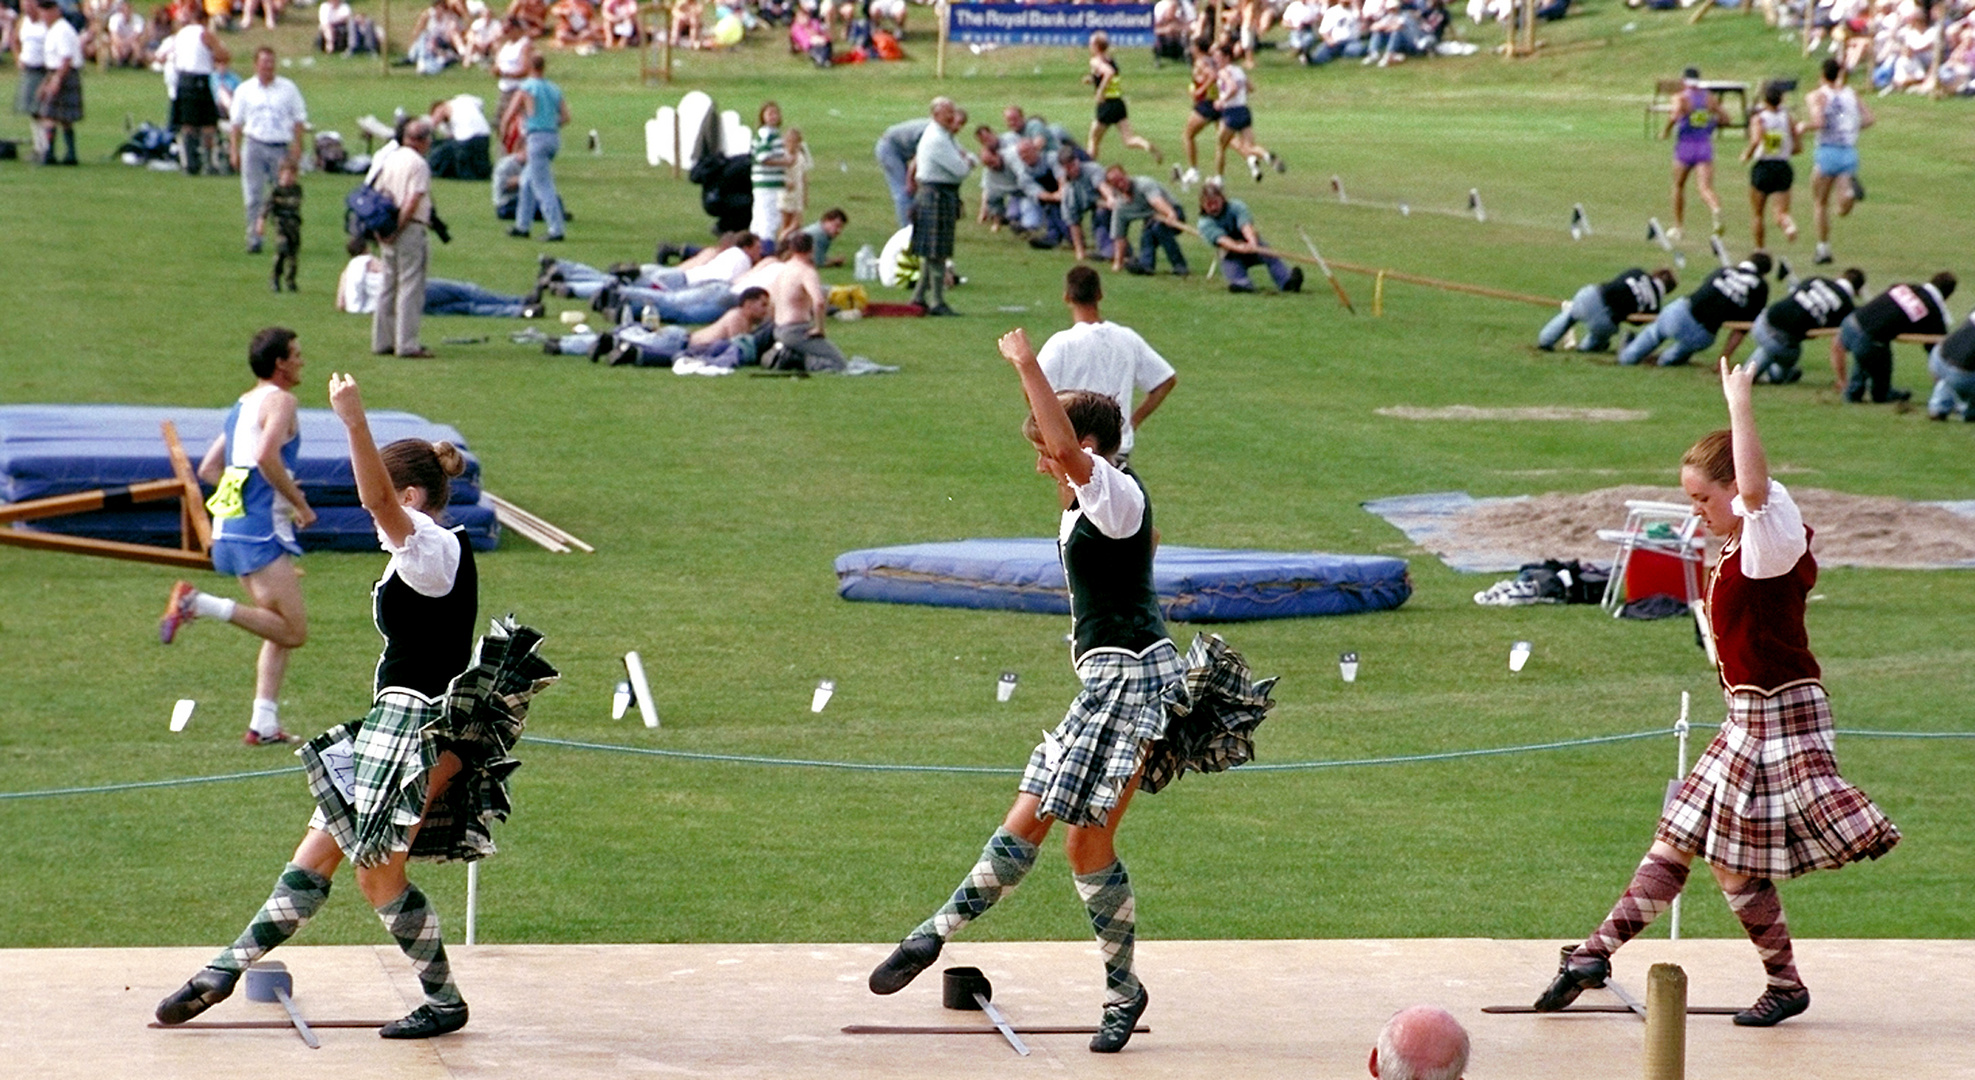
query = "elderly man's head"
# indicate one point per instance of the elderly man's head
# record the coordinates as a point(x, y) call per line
point(1014, 117)
point(942, 112)
point(1421, 1043)
point(418, 132)
point(1031, 152)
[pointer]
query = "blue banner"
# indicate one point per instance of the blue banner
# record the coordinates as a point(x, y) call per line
point(1129, 25)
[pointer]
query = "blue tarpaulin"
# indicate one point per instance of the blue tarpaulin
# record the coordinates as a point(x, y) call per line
point(1194, 584)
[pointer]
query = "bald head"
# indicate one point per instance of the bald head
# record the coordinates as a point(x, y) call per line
point(1421, 1043)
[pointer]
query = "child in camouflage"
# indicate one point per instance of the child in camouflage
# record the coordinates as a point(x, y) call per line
point(284, 205)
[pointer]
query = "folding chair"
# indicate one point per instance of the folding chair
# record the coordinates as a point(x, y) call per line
point(1660, 531)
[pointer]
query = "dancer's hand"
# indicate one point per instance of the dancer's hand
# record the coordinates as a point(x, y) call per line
point(345, 399)
point(1737, 383)
point(1014, 346)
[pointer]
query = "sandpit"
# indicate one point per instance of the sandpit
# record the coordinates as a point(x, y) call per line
point(1852, 530)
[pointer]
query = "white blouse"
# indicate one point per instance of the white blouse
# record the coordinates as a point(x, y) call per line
point(1110, 500)
point(428, 560)
point(1772, 537)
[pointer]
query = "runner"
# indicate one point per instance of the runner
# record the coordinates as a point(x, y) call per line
point(1772, 143)
point(1765, 803)
point(256, 509)
point(1837, 115)
point(1237, 122)
point(1202, 113)
point(1696, 114)
point(1110, 93)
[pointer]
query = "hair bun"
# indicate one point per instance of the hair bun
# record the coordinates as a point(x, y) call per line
point(451, 461)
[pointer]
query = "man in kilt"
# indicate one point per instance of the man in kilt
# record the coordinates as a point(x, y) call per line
point(1765, 802)
point(938, 168)
point(424, 774)
point(58, 99)
point(1137, 721)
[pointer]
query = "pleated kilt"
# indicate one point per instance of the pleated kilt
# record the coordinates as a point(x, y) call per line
point(393, 749)
point(1080, 770)
point(1766, 800)
point(1212, 728)
point(934, 212)
point(25, 99)
point(66, 106)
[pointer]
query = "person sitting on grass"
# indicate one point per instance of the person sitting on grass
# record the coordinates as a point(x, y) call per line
point(1143, 199)
point(1229, 228)
point(727, 342)
point(1604, 308)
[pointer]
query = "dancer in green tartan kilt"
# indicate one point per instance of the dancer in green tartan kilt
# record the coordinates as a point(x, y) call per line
point(424, 775)
point(1141, 720)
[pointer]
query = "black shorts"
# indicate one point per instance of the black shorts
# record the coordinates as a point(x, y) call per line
point(1111, 111)
point(1772, 177)
point(1237, 118)
point(1205, 110)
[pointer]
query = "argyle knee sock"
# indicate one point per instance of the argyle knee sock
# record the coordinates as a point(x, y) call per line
point(298, 894)
point(1107, 896)
point(1004, 862)
point(1654, 885)
point(412, 921)
point(1761, 912)
point(939, 283)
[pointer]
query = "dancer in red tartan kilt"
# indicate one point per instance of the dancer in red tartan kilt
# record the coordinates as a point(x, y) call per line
point(1765, 803)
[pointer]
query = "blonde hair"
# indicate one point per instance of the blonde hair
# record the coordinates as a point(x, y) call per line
point(1713, 457)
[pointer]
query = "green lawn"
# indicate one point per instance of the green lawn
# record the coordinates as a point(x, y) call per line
point(718, 505)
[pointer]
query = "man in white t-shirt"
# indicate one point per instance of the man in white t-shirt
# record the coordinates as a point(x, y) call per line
point(1105, 357)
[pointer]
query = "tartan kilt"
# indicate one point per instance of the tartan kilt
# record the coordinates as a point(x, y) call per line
point(1080, 770)
point(1766, 801)
point(66, 106)
point(479, 719)
point(30, 85)
point(1212, 729)
point(934, 212)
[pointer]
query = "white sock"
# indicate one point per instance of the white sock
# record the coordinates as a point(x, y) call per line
point(267, 720)
point(207, 606)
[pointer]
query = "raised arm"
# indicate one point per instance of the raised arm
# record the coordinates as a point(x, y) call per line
point(1751, 464)
point(1059, 439)
point(374, 487)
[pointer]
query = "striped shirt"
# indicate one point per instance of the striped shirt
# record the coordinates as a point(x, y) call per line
point(768, 144)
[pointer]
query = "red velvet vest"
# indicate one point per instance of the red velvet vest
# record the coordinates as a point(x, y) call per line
point(1758, 623)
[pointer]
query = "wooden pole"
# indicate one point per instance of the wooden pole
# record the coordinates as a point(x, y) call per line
point(665, 58)
point(1378, 294)
point(1528, 47)
point(1666, 1023)
point(942, 12)
point(82, 502)
point(384, 39)
point(113, 549)
point(196, 528)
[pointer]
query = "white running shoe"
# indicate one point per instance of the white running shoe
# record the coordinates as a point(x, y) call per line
point(1255, 169)
point(1191, 177)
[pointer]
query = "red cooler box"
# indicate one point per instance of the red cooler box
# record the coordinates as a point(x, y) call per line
point(1652, 573)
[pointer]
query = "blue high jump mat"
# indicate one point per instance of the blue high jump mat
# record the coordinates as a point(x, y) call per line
point(1194, 584)
point(50, 450)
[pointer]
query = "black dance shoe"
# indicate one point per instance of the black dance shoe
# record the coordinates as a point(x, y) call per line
point(1573, 978)
point(1774, 1007)
point(425, 1022)
point(1115, 1030)
point(203, 991)
point(913, 955)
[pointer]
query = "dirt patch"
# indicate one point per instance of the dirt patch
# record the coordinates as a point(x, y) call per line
point(1539, 412)
point(1852, 530)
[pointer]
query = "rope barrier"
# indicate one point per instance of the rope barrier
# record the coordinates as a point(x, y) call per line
point(984, 770)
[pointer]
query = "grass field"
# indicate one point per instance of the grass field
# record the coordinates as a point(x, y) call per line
point(718, 505)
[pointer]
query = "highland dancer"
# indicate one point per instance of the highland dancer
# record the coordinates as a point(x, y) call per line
point(1765, 803)
point(1143, 717)
point(424, 775)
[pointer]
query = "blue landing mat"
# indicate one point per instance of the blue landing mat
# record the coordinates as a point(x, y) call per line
point(57, 449)
point(1194, 584)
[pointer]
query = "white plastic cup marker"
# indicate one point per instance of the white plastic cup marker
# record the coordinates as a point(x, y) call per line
point(1005, 688)
point(1518, 656)
point(1347, 666)
point(620, 699)
point(181, 713)
point(821, 697)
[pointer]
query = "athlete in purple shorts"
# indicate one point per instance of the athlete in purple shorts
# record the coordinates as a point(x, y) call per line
point(1696, 115)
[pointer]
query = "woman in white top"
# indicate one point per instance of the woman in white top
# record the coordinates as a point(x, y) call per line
point(194, 53)
point(30, 34)
point(512, 62)
point(59, 99)
point(1772, 143)
point(423, 775)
